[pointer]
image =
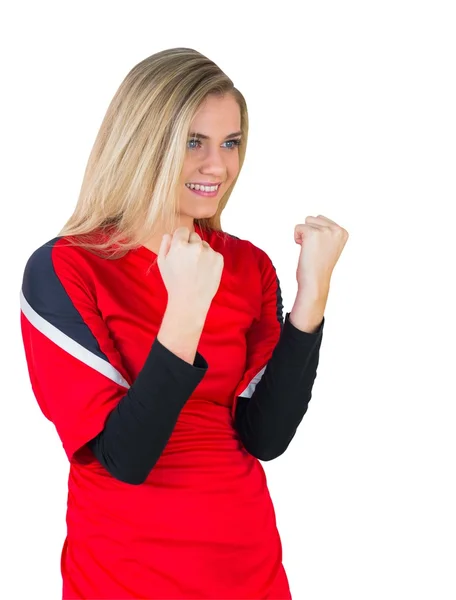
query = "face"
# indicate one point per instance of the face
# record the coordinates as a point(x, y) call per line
point(211, 159)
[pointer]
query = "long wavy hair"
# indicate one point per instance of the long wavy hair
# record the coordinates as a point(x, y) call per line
point(131, 181)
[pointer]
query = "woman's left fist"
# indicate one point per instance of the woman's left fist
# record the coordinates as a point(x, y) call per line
point(322, 242)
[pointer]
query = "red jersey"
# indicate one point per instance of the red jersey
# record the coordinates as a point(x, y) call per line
point(202, 525)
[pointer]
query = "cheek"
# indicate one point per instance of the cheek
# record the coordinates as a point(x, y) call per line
point(233, 166)
point(186, 173)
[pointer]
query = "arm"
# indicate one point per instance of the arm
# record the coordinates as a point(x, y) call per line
point(267, 420)
point(281, 369)
point(138, 429)
point(78, 377)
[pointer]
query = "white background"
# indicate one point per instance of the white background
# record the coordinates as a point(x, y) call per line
point(353, 110)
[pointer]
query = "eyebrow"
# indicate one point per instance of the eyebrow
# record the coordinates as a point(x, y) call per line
point(206, 137)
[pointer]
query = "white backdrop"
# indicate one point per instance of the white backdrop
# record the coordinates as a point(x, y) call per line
point(352, 110)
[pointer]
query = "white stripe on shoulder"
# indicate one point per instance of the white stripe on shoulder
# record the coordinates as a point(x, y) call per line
point(66, 343)
point(248, 392)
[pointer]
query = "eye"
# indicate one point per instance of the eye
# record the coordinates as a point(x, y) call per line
point(236, 143)
point(194, 140)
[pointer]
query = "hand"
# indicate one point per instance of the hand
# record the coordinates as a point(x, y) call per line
point(191, 270)
point(322, 242)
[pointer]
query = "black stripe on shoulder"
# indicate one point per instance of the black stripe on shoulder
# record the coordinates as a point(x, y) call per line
point(48, 298)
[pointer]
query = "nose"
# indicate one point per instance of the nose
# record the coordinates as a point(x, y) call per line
point(214, 163)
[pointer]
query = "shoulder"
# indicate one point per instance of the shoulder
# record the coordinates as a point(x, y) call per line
point(57, 253)
point(53, 264)
point(249, 251)
point(245, 246)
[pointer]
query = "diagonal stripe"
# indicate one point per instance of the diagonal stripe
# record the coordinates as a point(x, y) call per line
point(248, 392)
point(66, 343)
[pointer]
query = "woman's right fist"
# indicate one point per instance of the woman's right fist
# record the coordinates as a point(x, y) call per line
point(191, 270)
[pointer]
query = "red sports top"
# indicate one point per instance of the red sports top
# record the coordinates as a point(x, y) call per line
point(202, 525)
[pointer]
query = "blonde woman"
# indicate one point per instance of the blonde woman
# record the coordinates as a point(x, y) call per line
point(156, 345)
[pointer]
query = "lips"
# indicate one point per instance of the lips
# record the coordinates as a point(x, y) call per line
point(200, 183)
point(203, 193)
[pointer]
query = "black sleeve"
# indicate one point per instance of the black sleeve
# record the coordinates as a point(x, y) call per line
point(138, 429)
point(267, 421)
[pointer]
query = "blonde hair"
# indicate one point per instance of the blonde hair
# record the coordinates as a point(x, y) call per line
point(130, 184)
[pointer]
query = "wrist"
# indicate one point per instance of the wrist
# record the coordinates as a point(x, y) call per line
point(187, 313)
point(307, 313)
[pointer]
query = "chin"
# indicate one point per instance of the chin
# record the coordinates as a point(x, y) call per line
point(204, 212)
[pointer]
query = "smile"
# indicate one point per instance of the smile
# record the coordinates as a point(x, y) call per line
point(201, 191)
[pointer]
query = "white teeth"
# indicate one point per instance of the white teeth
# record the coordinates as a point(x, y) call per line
point(204, 188)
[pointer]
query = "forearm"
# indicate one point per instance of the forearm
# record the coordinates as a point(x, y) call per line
point(138, 429)
point(267, 422)
point(181, 330)
point(308, 309)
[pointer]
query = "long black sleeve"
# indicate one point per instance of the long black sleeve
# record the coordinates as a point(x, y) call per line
point(138, 429)
point(267, 421)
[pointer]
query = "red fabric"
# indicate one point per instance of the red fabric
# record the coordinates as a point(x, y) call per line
point(203, 524)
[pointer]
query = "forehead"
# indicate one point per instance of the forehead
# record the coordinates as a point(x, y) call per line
point(217, 115)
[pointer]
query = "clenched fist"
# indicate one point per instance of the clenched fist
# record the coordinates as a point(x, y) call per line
point(322, 242)
point(191, 270)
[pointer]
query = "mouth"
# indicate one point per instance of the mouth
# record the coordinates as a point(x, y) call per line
point(202, 191)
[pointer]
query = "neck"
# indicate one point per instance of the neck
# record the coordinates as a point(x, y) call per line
point(154, 243)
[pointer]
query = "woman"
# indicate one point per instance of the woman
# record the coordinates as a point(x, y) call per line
point(156, 345)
